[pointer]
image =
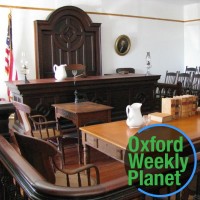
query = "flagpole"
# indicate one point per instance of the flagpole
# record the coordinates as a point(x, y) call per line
point(9, 68)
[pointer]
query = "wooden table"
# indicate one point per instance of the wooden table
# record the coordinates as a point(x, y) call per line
point(83, 113)
point(112, 138)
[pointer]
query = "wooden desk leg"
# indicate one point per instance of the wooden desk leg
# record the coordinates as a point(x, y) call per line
point(86, 152)
point(79, 146)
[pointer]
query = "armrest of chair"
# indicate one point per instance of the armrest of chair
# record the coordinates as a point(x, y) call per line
point(86, 169)
point(38, 118)
point(40, 121)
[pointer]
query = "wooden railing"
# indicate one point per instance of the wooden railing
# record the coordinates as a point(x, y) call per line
point(19, 180)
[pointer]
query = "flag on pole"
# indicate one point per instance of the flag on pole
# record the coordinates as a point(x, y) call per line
point(9, 68)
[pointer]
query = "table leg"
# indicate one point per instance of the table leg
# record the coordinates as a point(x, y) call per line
point(79, 146)
point(86, 152)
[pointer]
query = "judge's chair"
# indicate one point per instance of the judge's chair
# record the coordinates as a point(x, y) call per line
point(43, 156)
point(125, 70)
point(76, 70)
point(36, 126)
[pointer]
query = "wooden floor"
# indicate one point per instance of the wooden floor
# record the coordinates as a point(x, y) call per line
point(108, 167)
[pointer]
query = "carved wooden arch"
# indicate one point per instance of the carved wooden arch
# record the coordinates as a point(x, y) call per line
point(67, 36)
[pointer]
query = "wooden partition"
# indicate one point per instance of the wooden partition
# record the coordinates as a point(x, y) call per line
point(16, 173)
point(117, 91)
point(6, 109)
point(19, 180)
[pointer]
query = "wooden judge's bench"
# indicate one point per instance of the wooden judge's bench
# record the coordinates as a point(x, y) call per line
point(114, 90)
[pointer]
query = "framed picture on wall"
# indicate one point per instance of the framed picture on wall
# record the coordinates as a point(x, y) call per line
point(122, 45)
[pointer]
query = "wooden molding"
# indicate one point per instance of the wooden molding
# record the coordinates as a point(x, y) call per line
point(101, 13)
point(26, 8)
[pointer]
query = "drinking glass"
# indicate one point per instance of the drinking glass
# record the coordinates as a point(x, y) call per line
point(146, 119)
point(74, 72)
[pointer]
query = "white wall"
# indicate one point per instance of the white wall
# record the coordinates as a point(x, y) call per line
point(192, 35)
point(163, 38)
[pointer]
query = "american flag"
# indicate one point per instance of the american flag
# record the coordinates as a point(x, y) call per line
point(9, 68)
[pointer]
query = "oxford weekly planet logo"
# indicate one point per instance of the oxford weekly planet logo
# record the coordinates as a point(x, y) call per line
point(159, 157)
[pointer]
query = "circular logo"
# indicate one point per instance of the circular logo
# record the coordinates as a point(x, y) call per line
point(157, 157)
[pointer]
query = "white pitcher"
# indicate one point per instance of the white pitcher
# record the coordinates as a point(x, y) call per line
point(134, 115)
point(60, 72)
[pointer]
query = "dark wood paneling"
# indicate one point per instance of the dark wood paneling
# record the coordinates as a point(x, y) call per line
point(6, 108)
point(68, 36)
point(117, 91)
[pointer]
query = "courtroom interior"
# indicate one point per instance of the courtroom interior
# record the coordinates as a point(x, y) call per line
point(84, 83)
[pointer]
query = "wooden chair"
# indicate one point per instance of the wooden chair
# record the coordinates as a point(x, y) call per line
point(43, 157)
point(195, 84)
point(192, 71)
point(169, 88)
point(37, 126)
point(185, 79)
point(171, 77)
point(77, 70)
point(163, 90)
point(125, 70)
point(195, 87)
